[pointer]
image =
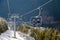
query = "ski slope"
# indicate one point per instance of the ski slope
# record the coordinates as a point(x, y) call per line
point(9, 35)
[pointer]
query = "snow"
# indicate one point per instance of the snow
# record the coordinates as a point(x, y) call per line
point(9, 35)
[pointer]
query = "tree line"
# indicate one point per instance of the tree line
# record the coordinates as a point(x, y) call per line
point(39, 34)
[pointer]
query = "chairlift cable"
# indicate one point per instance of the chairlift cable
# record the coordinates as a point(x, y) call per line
point(8, 6)
point(37, 8)
point(8, 9)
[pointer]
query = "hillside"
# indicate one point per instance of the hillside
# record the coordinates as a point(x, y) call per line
point(8, 34)
point(40, 33)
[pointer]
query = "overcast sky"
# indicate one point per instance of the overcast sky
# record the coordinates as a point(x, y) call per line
point(23, 6)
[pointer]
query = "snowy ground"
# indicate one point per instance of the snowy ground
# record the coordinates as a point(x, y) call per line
point(9, 34)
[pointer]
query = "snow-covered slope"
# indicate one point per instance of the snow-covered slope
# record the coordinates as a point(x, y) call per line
point(9, 34)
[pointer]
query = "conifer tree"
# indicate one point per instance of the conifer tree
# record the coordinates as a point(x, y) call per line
point(47, 34)
point(54, 32)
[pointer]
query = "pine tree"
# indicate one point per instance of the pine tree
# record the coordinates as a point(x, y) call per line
point(3, 25)
point(47, 34)
point(54, 32)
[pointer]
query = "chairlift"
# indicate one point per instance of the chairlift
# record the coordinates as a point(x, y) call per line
point(36, 20)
